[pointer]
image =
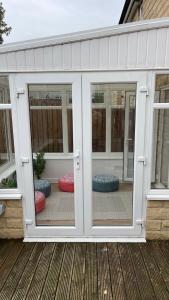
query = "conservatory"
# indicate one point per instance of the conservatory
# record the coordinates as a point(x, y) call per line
point(84, 130)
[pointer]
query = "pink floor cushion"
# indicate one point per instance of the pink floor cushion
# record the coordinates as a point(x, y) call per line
point(40, 201)
point(66, 183)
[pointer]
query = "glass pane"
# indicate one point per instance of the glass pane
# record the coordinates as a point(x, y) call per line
point(7, 157)
point(97, 97)
point(117, 129)
point(53, 175)
point(112, 190)
point(4, 90)
point(130, 136)
point(160, 163)
point(48, 95)
point(70, 130)
point(162, 88)
point(98, 130)
point(46, 130)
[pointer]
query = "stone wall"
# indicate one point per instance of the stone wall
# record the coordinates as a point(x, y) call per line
point(157, 226)
point(11, 222)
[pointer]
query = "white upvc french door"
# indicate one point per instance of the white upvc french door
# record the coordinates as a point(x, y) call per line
point(40, 98)
point(105, 214)
point(81, 122)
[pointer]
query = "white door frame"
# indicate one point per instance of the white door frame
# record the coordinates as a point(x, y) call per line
point(115, 77)
point(21, 82)
point(126, 135)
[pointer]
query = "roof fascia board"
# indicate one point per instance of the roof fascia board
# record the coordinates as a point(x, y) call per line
point(86, 35)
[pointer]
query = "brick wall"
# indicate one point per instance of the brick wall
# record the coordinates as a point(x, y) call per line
point(153, 9)
point(157, 226)
point(11, 222)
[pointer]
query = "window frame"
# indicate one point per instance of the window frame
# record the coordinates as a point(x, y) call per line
point(10, 166)
point(153, 194)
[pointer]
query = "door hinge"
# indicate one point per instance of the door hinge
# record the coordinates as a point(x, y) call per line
point(140, 222)
point(20, 91)
point(28, 222)
point(142, 159)
point(144, 89)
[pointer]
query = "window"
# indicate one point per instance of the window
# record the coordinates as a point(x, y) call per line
point(7, 157)
point(160, 155)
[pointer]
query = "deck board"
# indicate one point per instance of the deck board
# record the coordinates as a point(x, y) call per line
point(155, 275)
point(142, 275)
point(91, 274)
point(129, 276)
point(84, 271)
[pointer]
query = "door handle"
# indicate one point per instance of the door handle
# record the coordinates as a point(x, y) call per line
point(76, 154)
point(76, 157)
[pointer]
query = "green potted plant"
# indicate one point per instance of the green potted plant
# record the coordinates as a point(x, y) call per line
point(41, 185)
point(39, 164)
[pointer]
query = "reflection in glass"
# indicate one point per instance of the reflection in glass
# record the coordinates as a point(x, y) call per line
point(52, 141)
point(113, 131)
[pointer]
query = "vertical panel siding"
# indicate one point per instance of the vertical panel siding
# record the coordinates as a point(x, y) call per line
point(151, 48)
point(144, 49)
point(20, 60)
point(122, 51)
point(161, 44)
point(132, 50)
point(94, 53)
point(48, 58)
point(3, 62)
point(113, 51)
point(29, 59)
point(39, 58)
point(85, 55)
point(58, 57)
point(67, 56)
point(104, 53)
point(167, 49)
point(76, 56)
point(11, 61)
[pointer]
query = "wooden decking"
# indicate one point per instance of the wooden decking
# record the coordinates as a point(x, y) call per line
point(84, 271)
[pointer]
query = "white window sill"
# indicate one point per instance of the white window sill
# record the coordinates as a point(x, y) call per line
point(158, 197)
point(10, 195)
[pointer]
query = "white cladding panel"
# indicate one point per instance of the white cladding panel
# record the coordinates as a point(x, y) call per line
point(145, 49)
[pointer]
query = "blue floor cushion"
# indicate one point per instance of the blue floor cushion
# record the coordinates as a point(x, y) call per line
point(43, 186)
point(105, 183)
